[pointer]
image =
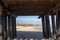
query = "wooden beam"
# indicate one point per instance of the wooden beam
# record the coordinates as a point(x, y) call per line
point(29, 1)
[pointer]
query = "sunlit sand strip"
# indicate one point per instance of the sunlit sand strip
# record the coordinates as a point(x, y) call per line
point(29, 28)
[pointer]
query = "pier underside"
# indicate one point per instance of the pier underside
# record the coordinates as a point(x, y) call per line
point(10, 9)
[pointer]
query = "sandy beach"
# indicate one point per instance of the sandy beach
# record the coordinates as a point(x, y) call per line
point(29, 33)
point(29, 28)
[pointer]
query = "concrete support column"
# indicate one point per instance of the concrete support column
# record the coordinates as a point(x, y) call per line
point(58, 26)
point(14, 26)
point(10, 27)
point(4, 24)
point(53, 26)
point(1, 30)
point(47, 27)
point(53, 22)
point(44, 27)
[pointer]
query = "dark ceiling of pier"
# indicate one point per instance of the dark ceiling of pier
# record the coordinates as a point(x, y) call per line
point(31, 7)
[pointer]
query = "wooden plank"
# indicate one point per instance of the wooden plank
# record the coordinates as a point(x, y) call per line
point(22, 1)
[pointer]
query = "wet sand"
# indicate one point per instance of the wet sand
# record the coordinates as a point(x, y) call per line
point(29, 33)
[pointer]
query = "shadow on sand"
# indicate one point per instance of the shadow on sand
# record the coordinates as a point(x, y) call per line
point(29, 35)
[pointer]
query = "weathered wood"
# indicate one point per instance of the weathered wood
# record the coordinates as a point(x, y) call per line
point(28, 1)
point(30, 9)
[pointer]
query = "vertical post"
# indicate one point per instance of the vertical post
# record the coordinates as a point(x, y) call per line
point(1, 27)
point(44, 27)
point(3, 20)
point(53, 26)
point(4, 24)
point(1, 35)
point(58, 26)
point(47, 27)
point(10, 27)
point(15, 26)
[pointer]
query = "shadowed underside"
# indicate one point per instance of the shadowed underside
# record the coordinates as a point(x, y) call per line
point(13, 8)
point(31, 7)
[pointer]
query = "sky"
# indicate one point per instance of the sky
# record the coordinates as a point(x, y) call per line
point(28, 19)
point(31, 20)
